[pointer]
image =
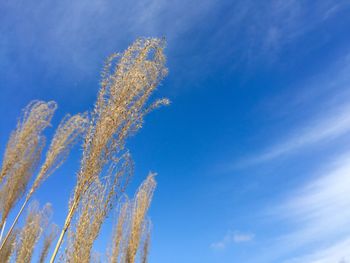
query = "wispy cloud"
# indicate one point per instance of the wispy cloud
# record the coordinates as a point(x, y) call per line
point(327, 94)
point(75, 33)
point(275, 25)
point(232, 238)
point(337, 253)
point(323, 129)
point(333, 125)
point(320, 106)
point(318, 218)
point(78, 28)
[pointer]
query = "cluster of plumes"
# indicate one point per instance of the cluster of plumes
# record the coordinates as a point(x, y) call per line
point(67, 133)
point(95, 205)
point(20, 245)
point(36, 221)
point(128, 82)
point(132, 231)
point(36, 117)
point(121, 106)
point(23, 153)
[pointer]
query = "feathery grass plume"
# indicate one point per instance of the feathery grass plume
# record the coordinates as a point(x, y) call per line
point(119, 111)
point(67, 133)
point(146, 242)
point(36, 117)
point(90, 217)
point(139, 222)
point(23, 153)
point(36, 221)
point(120, 232)
point(14, 188)
point(133, 228)
point(95, 205)
point(50, 235)
point(8, 249)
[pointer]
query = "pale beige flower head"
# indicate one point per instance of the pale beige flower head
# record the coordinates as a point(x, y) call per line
point(128, 81)
point(36, 221)
point(36, 117)
point(67, 133)
point(140, 207)
point(15, 187)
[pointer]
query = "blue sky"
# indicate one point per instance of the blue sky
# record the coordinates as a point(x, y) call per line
point(253, 154)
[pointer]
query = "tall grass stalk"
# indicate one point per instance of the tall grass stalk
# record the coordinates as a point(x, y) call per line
point(7, 251)
point(23, 153)
point(139, 223)
point(119, 232)
point(95, 205)
point(15, 186)
point(146, 243)
point(36, 221)
point(128, 81)
point(35, 118)
point(2, 230)
point(67, 133)
point(132, 231)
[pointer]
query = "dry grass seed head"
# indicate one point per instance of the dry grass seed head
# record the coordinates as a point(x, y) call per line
point(96, 203)
point(36, 117)
point(146, 242)
point(50, 235)
point(121, 105)
point(35, 222)
point(128, 81)
point(15, 187)
point(8, 249)
point(90, 217)
point(140, 207)
point(67, 133)
point(120, 232)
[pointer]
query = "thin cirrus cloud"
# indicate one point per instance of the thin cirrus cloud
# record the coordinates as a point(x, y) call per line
point(324, 126)
point(337, 123)
point(84, 32)
point(337, 253)
point(323, 129)
point(328, 93)
point(232, 238)
point(319, 218)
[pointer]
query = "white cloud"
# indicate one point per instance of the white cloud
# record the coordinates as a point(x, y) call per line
point(73, 32)
point(238, 237)
point(331, 126)
point(318, 218)
point(322, 104)
point(231, 238)
point(337, 253)
point(325, 128)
